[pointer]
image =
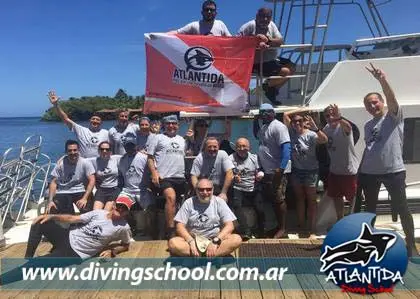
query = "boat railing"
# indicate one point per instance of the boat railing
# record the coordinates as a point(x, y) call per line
point(22, 170)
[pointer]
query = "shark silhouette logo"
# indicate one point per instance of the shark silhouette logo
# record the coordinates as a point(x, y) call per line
point(360, 258)
point(198, 59)
point(94, 139)
point(360, 250)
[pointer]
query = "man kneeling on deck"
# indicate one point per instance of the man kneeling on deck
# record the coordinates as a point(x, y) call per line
point(91, 235)
point(204, 225)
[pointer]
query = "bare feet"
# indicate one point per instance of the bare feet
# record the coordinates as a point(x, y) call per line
point(280, 234)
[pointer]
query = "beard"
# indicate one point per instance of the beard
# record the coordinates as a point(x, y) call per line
point(204, 199)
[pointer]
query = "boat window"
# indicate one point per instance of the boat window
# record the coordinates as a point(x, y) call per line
point(411, 152)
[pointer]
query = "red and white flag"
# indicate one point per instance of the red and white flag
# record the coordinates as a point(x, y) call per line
point(194, 73)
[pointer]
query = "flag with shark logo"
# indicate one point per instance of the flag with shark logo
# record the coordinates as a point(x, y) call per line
point(196, 73)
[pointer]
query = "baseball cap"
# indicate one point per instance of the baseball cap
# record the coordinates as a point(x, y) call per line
point(124, 200)
point(266, 106)
point(129, 138)
point(170, 118)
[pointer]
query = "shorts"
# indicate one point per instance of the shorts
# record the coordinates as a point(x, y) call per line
point(273, 187)
point(178, 184)
point(65, 201)
point(342, 185)
point(273, 67)
point(106, 194)
point(308, 178)
point(144, 198)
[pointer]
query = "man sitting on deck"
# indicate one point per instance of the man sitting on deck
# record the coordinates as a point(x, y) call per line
point(204, 217)
point(208, 25)
point(88, 138)
point(67, 186)
point(269, 36)
point(92, 234)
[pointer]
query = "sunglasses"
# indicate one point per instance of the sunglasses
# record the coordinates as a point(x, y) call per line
point(204, 189)
point(209, 9)
point(105, 149)
point(120, 206)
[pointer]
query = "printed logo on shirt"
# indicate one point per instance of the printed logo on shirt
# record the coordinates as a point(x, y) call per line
point(330, 144)
point(94, 231)
point(106, 170)
point(203, 218)
point(131, 170)
point(374, 136)
point(94, 139)
point(66, 179)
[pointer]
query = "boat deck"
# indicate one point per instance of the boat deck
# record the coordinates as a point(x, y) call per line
point(158, 249)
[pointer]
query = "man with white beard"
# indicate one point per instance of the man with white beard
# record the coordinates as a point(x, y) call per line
point(204, 217)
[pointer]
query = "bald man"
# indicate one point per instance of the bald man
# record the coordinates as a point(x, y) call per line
point(246, 192)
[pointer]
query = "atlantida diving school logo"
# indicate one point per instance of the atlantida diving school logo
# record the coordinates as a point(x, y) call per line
point(361, 259)
point(197, 61)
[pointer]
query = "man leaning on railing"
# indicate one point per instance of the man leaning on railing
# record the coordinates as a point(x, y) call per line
point(269, 38)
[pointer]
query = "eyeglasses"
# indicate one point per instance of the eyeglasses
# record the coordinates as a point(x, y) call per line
point(297, 120)
point(209, 9)
point(205, 189)
point(105, 149)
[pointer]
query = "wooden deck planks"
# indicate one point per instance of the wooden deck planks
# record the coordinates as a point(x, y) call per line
point(292, 284)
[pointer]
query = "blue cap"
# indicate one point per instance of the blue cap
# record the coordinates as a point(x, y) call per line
point(129, 138)
point(266, 106)
point(170, 119)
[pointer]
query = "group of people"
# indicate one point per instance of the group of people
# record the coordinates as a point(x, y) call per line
point(134, 164)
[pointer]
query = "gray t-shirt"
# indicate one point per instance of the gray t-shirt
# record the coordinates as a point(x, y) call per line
point(71, 177)
point(135, 173)
point(249, 29)
point(271, 137)
point(214, 168)
point(218, 28)
point(204, 219)
point(341, 150)
point(89, 140)
point(384, 144)
point(106, 171)
point(96, 232)
point(142, 141)
point(169, 153)
point(116, 137)
point(247, 169)
point(304, 150)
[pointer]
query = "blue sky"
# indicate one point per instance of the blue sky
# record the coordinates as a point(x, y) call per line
point(94, 47)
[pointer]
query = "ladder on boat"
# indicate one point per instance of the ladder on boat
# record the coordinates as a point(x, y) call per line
point(309, 56)
point(23, 178)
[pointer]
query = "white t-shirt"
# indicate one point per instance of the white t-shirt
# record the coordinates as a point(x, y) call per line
point(96, 232)
point(116, 137)
point(204, 219)
point(89, 140)
point(218, 28)
point(106, 171)
point(214, 168)
point(249, 29)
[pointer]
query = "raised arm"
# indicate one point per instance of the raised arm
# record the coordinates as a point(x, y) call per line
point(391, 101)
point(60, 112)
point(321, 137)
point(287, 115)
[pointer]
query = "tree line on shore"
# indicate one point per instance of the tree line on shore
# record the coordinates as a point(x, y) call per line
point(82, 108)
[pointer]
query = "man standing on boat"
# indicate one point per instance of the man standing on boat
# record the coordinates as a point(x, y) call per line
point(166, 154)
point(269, 36)
point(215, 165)
point(382, 161)
point(143, 134)
point(208, 25)
point(274, 154)
point(204, 225)
point(68, 183)
point(117, 132)
point(88, 138)
point(246, 191)
point(342, 180)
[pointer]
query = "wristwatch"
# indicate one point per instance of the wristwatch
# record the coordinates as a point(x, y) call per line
point(216, 241)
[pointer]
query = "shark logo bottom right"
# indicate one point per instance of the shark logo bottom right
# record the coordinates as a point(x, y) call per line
point(361, 259)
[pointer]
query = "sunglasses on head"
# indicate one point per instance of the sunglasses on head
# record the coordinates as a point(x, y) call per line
point(204, 189)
